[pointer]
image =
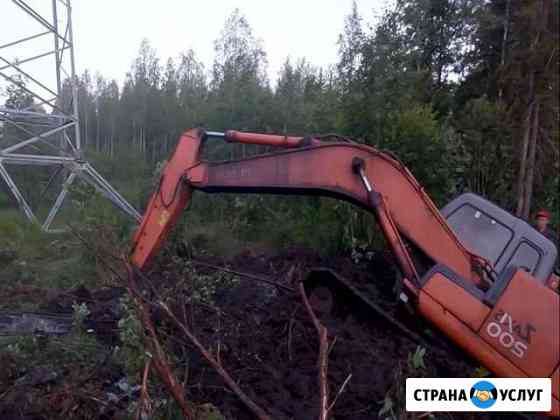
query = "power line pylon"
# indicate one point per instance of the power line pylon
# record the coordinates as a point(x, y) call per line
point(48, 132)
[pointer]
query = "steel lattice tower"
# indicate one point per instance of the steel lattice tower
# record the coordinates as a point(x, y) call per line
point(49, 136)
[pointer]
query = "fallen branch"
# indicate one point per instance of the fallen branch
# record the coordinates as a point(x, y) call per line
point(245, 275)
point(144, 406)
point(250, 404)
point(340, 391)
point(158, 356)
point(322, 360)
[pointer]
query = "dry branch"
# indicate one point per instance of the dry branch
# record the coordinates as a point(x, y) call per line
point(158, 356)
point(245, 275)
point(322, 360)
point(144, 406)
point(340, 391)
point(250, 404)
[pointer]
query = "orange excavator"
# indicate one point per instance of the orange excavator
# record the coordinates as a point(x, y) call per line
point(482, 276)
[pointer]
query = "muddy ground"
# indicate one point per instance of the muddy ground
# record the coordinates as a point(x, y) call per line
point(263, 337)
point(271, 346)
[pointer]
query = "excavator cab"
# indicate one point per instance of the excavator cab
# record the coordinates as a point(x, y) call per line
point(512, 327)
point(505, 240)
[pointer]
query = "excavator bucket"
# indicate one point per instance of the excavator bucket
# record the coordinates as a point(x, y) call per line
point(330, 293)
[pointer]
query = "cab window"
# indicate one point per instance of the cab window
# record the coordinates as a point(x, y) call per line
point(480, 233)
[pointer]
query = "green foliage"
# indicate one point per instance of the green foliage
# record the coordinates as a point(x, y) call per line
point(416, 360)
point(39, 259)
point(79, 314)
point(4, 198)
point(126, 169)
point(394, 404)
point(481, 372)
point(55, 352)
point(224, 225)
point(386, 411)
point(238, 77)
point(433, 82)
point(94, 213)
point(10, 226)
point(550, 198)
point(17, 97)
point(203, 287)
point(485, 156)
point(60, 260)
point(209, 412)
point(131, 353)
point(416, 138)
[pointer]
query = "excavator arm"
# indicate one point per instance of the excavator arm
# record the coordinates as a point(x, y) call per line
point(356, 173)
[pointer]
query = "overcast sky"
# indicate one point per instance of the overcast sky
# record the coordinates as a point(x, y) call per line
point(108, 32)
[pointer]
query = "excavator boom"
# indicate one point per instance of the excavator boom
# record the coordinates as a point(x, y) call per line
point(308, 167)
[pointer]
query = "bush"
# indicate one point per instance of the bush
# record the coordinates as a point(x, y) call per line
point(485, 153)
point(416, 138)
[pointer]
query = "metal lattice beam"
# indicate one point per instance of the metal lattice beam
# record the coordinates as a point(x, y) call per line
point(55, 126)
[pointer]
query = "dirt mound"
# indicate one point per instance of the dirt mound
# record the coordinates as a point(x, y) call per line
point(268, 343)
point(275, 353)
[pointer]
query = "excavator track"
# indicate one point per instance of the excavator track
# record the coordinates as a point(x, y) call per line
point(330, 292)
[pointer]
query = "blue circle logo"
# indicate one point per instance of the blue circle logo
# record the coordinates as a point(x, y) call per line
point(483, 394)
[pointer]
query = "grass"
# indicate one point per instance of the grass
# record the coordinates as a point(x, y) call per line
point(216, 238)
point(31, 259)
point(221, 225)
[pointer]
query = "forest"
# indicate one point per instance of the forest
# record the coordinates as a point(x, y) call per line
point(464, 92)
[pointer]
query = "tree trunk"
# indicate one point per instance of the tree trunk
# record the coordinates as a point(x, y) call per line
point(144, 142)
point(85, 136)
point(97, 134)
point(528, 189)
point(133, 135)
point(530, 136)
point(525, 147)
point(504, 45)
point(523, 161)
point(112, 140)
